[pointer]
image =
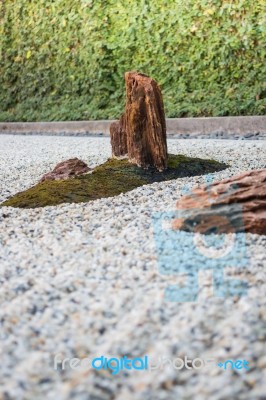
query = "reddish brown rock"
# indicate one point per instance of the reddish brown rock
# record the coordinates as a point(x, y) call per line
point(237, 204)
point(145, 122)
point(119, 137)
point(141, 131)
point(66, 169)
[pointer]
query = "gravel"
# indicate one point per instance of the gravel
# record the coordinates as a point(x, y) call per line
point(222, 135)
point(82, 280)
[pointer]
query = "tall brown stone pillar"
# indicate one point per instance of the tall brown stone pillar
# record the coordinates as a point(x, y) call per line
point(143, 124)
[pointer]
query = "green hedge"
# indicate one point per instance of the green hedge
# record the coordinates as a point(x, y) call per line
point(65, 59)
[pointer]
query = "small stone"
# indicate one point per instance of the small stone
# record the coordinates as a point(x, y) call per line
point(262, 362)
point(66, 169)
point(119, 137)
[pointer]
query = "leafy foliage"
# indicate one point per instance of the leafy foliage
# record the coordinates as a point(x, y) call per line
point(65, 60)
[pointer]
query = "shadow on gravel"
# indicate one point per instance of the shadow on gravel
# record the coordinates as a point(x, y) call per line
point(109, 179)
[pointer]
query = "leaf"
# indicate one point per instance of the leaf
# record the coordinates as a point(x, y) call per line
point(209, 11)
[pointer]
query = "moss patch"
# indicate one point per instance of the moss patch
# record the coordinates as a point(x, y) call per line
point(107, 180)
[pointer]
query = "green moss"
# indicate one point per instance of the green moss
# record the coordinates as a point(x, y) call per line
point(107, 180)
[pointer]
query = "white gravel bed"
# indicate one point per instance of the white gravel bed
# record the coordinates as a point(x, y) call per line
point(82, 280)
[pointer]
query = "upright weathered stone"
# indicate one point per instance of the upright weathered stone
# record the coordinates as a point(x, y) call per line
point(141, 131)
point(145, 122)
point(119, 137)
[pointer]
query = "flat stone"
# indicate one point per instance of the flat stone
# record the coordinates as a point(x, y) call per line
point(237, 204)
point(66, 169)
